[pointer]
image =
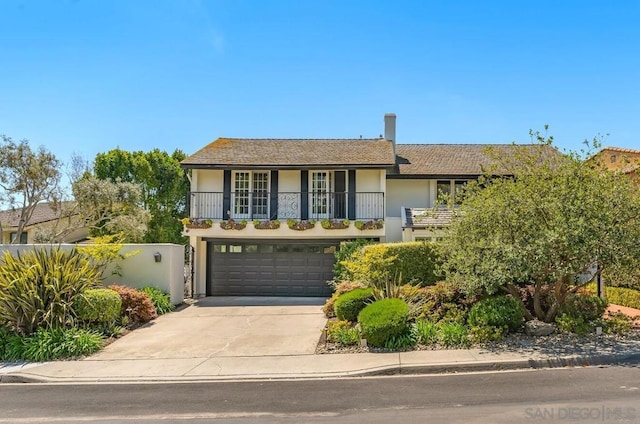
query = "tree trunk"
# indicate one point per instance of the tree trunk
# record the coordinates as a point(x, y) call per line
point(513, 291)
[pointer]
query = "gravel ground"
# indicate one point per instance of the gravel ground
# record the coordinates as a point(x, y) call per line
point(555, 344)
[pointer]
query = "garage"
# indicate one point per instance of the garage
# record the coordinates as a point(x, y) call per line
point(270, 268)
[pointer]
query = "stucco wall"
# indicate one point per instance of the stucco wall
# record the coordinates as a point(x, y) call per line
point(369, 180)
point(141, 269)
point(407, 193)
point(208, 180)
point(289, 181)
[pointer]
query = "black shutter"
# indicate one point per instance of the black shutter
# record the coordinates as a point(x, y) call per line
point(304, 194)
point(352, 194)
point(273, 204)
point(226, 195)
point(339, 196)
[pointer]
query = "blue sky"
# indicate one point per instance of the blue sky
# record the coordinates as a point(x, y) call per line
point(87, 76)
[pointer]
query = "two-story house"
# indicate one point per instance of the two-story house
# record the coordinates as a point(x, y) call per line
point(321, 192)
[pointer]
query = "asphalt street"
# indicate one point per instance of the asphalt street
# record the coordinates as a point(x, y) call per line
point(604, 394)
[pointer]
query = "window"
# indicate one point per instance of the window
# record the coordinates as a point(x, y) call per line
point(613, 158)
point(321, 188)
point(235, 248)
point(23, 237)
point(251, 194)
point(449, 192)
point(458, 191)
point(443, 192)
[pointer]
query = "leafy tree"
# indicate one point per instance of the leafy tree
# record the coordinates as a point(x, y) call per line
point(27, 177)
point(543, 220)
point(164, 187)
point(102, 206)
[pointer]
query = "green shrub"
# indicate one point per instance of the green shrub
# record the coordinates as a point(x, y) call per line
point(403, 341)
point(622, 276)
point(161, 300)
point(348, 305)
point(503, 312)
point(486, 333)
point(136, 305)
point(444, 302)
point(343, 333)
point(98, 306)
point(344, 253)
point(617, 323)
point(39, 287)
point(452, 334)
point(375, 264)
point(588, 307)
point(573, 324)
point(340, 288)
point(623, 297)
point(55, 343)
point(425, 332)
point(382, 320)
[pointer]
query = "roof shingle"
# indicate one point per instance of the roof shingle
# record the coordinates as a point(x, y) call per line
point(452, 159)
point(228, 152)
point(43, 212)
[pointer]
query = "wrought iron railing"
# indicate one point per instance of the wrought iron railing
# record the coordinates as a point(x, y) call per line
point(287, 205)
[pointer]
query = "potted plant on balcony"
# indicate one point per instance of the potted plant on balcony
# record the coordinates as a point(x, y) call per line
point(266, 225)
point(231, 224)
point(373, 224)
point(301, 225)
point(196, 223)
point(335, 224)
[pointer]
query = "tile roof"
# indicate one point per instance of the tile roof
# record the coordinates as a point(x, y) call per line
point(422, 218)
point(619, 149)
point(227, 152)
point(451, 159)
point(43, 212)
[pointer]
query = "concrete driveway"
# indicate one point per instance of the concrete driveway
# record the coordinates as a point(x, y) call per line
point(226, 326)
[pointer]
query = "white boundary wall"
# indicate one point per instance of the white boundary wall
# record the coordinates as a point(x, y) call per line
point(141, 269)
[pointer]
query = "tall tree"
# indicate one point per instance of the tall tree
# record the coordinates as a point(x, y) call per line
point(27, 177)
point(553, 225)
point(164, 186)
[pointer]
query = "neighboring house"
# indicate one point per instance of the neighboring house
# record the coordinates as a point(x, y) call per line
point(46, 217)
point(365, 180)
point(619, 159)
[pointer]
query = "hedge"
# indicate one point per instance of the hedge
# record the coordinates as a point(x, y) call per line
point(348, 305)
point(383, 320)
point(375, 264)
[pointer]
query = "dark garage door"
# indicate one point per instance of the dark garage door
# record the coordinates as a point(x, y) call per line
point(282, 268)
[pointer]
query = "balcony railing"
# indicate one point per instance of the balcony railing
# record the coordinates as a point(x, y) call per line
point(287, 205)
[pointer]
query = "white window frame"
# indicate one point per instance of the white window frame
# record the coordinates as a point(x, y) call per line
point(250, 201)
point(321, 200)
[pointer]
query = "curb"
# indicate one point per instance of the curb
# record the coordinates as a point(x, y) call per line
point(418, 369)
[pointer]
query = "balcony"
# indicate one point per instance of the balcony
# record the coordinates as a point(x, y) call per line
point(286, 205)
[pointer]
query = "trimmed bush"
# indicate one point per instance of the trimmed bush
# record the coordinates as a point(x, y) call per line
point(502, 312)
point(99, 306)
point(383, 320)
point(55, 343)
point(348, 305)
point(341, 288)
point(375, 264)
point(160, 299)
point(344, 253)
point(623, 297)
point(587, 307)
point(136, 305)
point(38, 287)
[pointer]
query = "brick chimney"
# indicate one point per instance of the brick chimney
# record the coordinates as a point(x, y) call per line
point(390, 130)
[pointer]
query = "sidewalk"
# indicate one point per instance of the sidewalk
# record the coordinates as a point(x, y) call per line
point(299, 366)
